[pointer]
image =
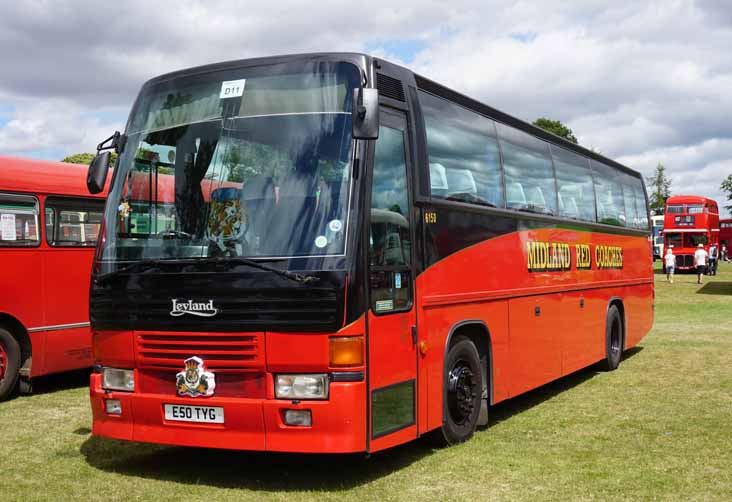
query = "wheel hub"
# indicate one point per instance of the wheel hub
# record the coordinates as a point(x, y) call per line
point(3, 361)
point(461, 393)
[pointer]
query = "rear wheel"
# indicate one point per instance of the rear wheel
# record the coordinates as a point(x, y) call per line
point(613, 339)
point(9, 363)
point(463, 386)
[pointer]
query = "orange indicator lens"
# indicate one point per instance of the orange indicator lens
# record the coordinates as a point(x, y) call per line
point(346, 351)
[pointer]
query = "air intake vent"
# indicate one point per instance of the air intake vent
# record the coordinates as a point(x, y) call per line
point(389, 87)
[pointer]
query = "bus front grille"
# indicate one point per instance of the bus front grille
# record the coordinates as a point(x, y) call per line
point(220, 351)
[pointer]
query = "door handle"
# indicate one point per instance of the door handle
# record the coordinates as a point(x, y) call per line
point(414, 335)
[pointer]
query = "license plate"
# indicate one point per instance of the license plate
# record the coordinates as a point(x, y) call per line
point(200, 414)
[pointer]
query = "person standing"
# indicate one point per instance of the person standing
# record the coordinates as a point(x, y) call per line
point(700, 260)
point(713, 259)
point(669, 261)
point(723, 254)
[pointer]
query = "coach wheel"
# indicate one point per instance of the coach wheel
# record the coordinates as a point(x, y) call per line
point(9, 363)
point(613, 338)
point(463, 385)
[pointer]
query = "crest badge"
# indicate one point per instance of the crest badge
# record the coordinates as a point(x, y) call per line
point(194, 380)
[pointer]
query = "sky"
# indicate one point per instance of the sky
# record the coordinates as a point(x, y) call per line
point(642, 82)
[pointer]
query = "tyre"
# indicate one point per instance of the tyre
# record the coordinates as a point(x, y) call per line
point(462, 393)
point(613, 339)
point(9, 363)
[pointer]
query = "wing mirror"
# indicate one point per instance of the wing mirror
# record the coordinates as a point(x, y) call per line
point(97, 174)
point(99, 166)
point(365, 113)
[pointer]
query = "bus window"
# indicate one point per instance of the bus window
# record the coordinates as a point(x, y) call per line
point(527, 166)
point(640, 204)
point(389, 239)
point(695, 209)
point(673, 239)
point(463, 152)
point(675, 209)
point(18, 220)
point(693, 240)
point(610, 204)
point(73, 222)
point(576, 195)
point(629, 200)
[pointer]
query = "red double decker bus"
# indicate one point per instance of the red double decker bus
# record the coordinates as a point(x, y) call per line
point(725, 234)
point(48, 229)
point(689, 220)
point(350, 256)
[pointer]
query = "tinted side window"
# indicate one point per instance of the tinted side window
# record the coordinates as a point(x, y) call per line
point(576, 195)
point(610, 203)
point(463, 153)
point(73, 222)
point(18, 220)
point(641, 205)
point(527, 167)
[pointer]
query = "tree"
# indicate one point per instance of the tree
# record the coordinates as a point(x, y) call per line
point(726, 188)
point(556, 127)
point(86, 158)
point(660, 189)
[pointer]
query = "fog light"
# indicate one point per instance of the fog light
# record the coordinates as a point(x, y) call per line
point(113, 406)
point(302, 418)
point(117, 379)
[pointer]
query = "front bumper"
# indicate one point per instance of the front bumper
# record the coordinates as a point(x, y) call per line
point(338, 424)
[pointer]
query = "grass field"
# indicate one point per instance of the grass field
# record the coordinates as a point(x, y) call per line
point(659, 428)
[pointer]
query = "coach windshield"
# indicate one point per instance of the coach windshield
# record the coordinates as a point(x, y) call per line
point(250, 162)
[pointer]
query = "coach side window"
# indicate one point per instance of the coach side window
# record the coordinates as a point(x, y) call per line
point(576, 196)
point(610, 204)
point(72, 221)
point(635, 202)
point(527, 166)
point(18, 220)
point(463, 153)
point(631, 212)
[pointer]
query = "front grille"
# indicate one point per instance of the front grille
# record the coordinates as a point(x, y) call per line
point(684, 260)
point(244, 303)
point(220, 351)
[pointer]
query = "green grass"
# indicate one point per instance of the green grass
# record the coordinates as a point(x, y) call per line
point(659, 428)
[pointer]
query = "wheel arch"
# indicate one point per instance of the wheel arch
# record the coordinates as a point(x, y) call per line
point(618, 302)
point(16, 328)
point(477, 331)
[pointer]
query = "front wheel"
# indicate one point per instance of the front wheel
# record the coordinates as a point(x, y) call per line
point(462, 393)
point(9, 363)
point(613, 339)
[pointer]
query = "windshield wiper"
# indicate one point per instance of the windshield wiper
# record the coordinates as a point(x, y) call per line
point(293, 276)
point(134, 266)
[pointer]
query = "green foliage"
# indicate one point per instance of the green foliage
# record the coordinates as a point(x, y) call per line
point(726, 187)
point(556, 127)
point(659, 186)
point(86, 158)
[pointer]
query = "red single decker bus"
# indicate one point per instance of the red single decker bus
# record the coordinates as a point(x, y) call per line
point(48, 229)
point(689, 220)
point(334, 254)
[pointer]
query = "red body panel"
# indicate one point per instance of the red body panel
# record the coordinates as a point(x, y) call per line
point(45, 288)
point(490, 282)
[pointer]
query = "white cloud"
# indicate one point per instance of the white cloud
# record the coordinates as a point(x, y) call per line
point(641, 82)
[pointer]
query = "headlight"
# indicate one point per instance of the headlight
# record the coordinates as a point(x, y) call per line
point(301, 386)
point(117, 379)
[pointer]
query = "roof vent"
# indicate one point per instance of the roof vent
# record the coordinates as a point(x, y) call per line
point(390, 87)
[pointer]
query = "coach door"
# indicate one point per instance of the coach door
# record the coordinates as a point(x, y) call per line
point(391, 318)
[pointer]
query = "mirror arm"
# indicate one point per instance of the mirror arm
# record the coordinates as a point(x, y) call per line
point(115, 142)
